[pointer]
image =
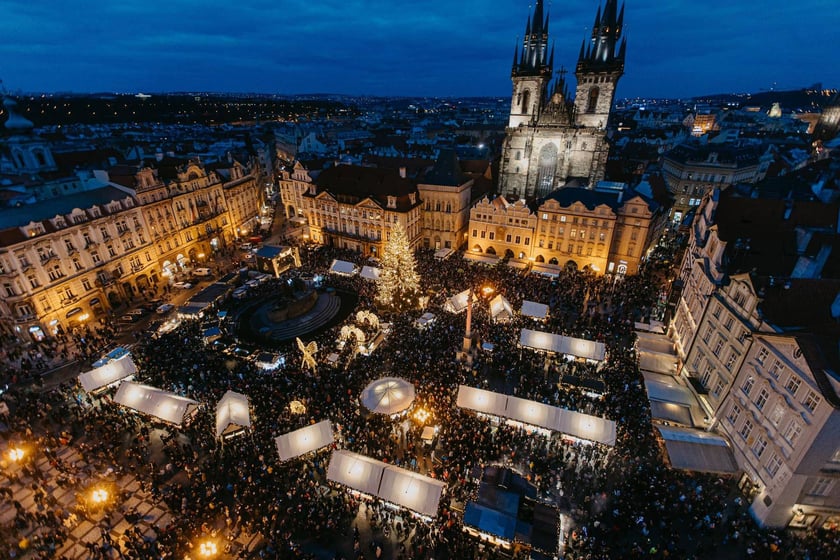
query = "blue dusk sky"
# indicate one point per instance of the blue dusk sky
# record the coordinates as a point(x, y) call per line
point(402, 47)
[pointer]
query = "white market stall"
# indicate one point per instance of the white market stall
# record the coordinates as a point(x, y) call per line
point(425, 320)
point(534, 310)
point(370, 273)
point(305, 440)
point(401, 487)
point(458, 302)
point(355, 471)
point(233, 415)
point(389, 395)
point(500, 309)
point(164, 405)
point(410, 490)
point(548, 270)
point(566, 345)
point(343, 267)
point(108, 374)
point(539, 415)
point(443, 253)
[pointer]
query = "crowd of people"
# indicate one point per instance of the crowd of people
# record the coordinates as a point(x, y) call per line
point(619, 501)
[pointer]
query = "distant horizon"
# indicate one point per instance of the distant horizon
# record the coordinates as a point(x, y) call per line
point(414, 48)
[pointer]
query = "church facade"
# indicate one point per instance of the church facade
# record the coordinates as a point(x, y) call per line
point(553, 138)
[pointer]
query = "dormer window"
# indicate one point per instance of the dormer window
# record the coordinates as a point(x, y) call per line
point(392, 202)
point(412, 197)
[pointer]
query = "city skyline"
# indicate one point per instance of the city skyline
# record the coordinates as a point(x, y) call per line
point(414, 48)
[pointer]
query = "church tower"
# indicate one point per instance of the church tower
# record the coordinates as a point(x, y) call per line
point(553, 140)
point(600, 65)
point(531, 71)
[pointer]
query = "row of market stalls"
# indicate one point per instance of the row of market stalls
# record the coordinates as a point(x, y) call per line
point(408, 489)
point(531, 413)
point(500, 308)
point(570, 347)
point(346, 268)
point(677, 413)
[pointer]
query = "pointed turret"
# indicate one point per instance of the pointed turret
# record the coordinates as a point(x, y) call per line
point(515, 55)
point(597, 23)
point(535, 58)
point(539, 20)
point(551, 57)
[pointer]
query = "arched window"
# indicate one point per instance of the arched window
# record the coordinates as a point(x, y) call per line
point(526, 99)
point(546, 170)
point(592, 101)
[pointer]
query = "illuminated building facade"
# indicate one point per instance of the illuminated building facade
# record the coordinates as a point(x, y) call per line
point(446, 195)
point(355, 207)
point(551, 137)
point(609, 229)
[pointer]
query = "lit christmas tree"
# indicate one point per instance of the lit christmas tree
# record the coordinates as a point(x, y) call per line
point(398, 284)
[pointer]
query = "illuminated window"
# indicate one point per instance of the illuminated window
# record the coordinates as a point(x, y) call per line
point(773, 465)
point(811, 401)
point(761, 399)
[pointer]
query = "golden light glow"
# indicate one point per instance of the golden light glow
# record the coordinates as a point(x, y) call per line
point(421, 415)
point(84, 317)
point(487, 290)
point(99, 496)
point(208, 549)
point(16, 454)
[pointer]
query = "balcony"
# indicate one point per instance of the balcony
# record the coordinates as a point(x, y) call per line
point(10, 272)
point(71, 250)
point(122, 232)
point(48, 257)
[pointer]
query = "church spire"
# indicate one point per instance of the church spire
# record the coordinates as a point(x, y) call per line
point(604, 49)
point(534, 59)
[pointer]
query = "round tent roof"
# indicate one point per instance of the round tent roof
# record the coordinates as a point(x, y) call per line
point(389, 395)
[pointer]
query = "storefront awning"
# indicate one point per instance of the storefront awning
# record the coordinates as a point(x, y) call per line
point(696, 450)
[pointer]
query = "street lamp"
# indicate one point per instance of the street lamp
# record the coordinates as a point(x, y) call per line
point(208, 548)
point(16, 454)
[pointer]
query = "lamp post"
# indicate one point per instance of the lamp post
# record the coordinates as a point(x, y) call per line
point(466, 353)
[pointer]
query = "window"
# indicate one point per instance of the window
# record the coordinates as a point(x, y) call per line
point(811, 401)
point(95, 258)
point(475, 233)
point(836, 457)
point(822, 487)
point(86, 284)
point(730, 360)
point(527, 241)
point(734, 413)
point(792, 433)
point(508, 238)
point(761, 399)
point(759, 446)
point(483, 234)
point(718, 346)
point(707, 336)
point(746, 429)
point(716, 392)
point(773, 465)
point(727, 324)
point(777, 368)
point(793, 385)
point(562, 218)
point(762, 355)
point(9, 290)
point(492, 235)
point(748, 385)
point(111, 251)
point(518, 239)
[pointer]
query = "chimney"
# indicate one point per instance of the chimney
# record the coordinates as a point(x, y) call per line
point(402, 172)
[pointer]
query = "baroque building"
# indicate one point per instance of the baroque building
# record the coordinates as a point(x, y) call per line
point(446, 195)
point(756, 332)
point(354, 207)
point(609, 229)
point(550, 136)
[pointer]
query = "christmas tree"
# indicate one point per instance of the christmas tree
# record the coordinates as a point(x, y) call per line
point(398, 284)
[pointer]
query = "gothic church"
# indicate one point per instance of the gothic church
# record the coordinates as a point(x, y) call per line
point(551, 138)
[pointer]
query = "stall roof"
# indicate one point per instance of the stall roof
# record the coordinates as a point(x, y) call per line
point(161, 404)
point(696, 450)
point(232, 414)
point(534, 310)
point(370, 272)
point(549, 270)
point(302, 441)
point(441, 254)
point(480, 400)
point(399, 486)
point(411, 490)
point(356, 471)
point(482, 259)
point(548, 342)
point(500, 309)
point(107, 374)
point(517, 264)
point(343, 267)
point(659, 363)
point(458, 302)
point(583, 426)
point(211, 293)
point(389, 395)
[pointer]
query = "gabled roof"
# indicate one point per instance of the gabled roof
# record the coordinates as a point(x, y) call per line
point(446, 171)
point(351, 184)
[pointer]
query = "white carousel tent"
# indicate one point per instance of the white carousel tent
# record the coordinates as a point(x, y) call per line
point(532, 413)
point(458, 302)
point(161, 404)
point(302, 441)
point(108, 374)
point(547, 342)
point(402, 487)
point(389, 395)
point(233, 415)
point(534, 310)
point(500, 309)
point(343, 267)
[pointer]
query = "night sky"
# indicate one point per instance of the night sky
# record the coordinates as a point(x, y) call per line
point(402, 47)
